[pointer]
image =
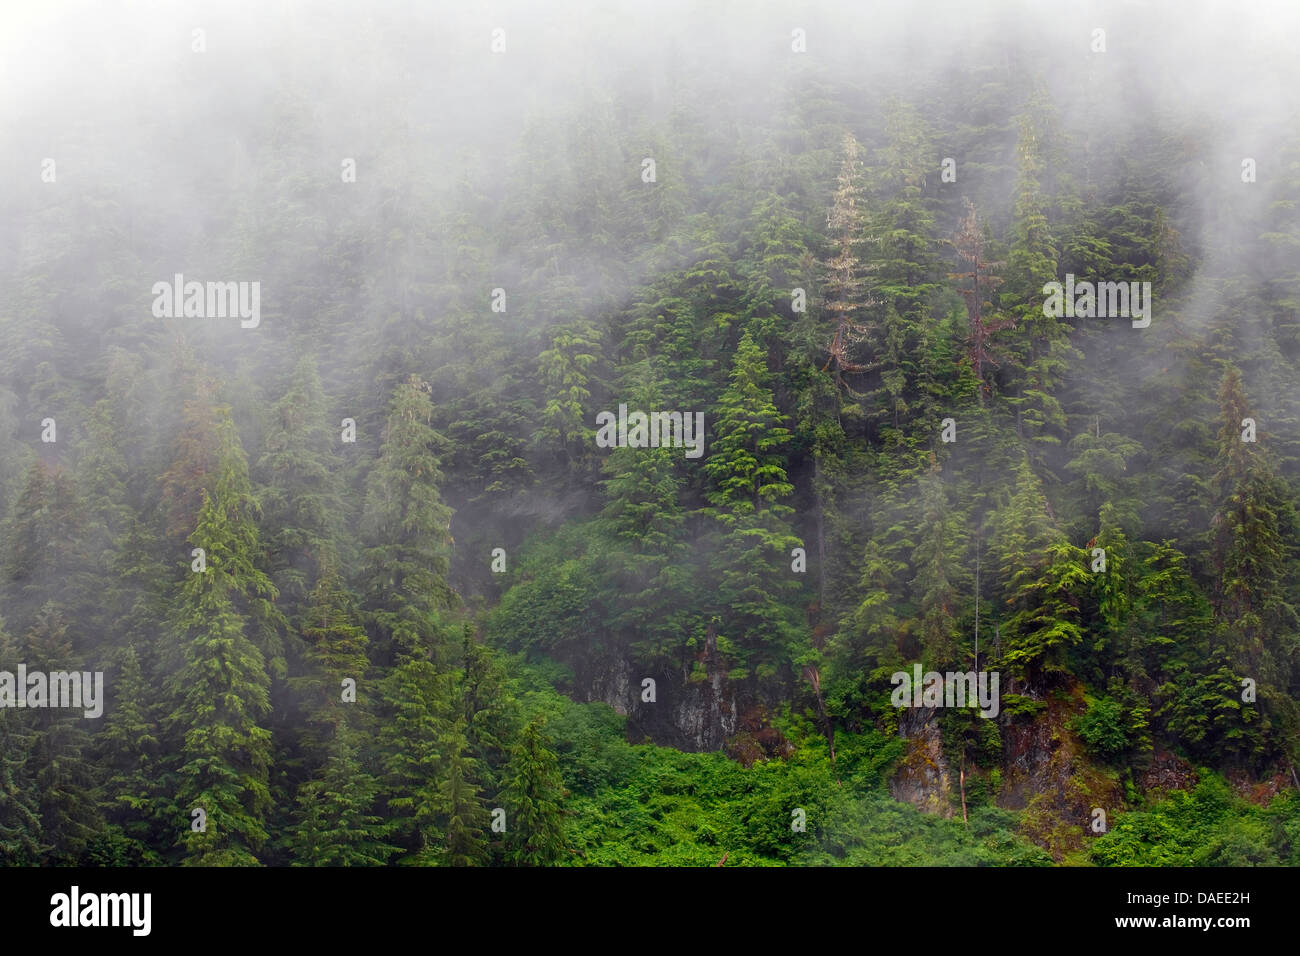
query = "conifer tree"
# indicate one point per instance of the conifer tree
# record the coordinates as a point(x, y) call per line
point(195, 457)
point(101, 480)
point(1042, 576)
point(984, 351)
point(45, 555)
point(487, 711)
point(222, 686)
point(301, 503)
point(748, 488)
point(334, 650)
point(467, 819)
point(21, 838)
point(874, 627)
point(1042, 341)
point(565, 370)
point(22, 841)
point(129, 749)
point(534, 789)
point(1100, 464)
point(407, 529)
point(411, 743)
point(846, 293)
point(937, 570)
point(909, 349)
point(1251, 526)
point(336, 821)
point(647, 570)
point(64, 775)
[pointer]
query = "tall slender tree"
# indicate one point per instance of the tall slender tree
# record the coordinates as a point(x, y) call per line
point(534, 789)
point(222, 686)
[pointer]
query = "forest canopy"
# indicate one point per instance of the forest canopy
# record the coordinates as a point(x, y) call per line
point(539, 435)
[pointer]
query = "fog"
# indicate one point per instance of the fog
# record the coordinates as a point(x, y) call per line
point(487, 226)
point(171, 159)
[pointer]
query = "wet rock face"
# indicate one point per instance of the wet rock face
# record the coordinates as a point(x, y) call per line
point(1049, 777)
point(690, 715)
point(611, 683)
point(1167, 772)
point(923, 778)
point(703, 714)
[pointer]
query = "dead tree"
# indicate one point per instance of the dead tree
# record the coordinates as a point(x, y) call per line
point(969, 244)
point(846, 294)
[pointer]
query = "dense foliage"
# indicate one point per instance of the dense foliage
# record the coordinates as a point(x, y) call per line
point(359, 677)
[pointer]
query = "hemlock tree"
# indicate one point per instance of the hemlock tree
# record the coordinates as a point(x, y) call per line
point(128, 749)
point(194, 459)
point(301, 504)
point(1042, 342)
point(1254, 530)
point(222, 687)
point(336, 820)
point(63, 774)
point(1041, 575)
point(45, 557)
point(647, 568)
point(21, 838)
point(846, 292)
point(565, 370)
point(1250, 550)
point(937, 567)
point(984, 351)
point(487, 709)
point(334, 650)
point(467, 819)
point(407, 530)
point(532, 797)
point(747, 488)
point(415, 727)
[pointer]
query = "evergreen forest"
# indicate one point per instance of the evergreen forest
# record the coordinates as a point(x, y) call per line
point(386, 570)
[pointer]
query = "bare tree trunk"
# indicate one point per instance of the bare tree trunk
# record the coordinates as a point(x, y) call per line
point(962, 778)
point(821, 534)
point(813, 674)
point(978, 536)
